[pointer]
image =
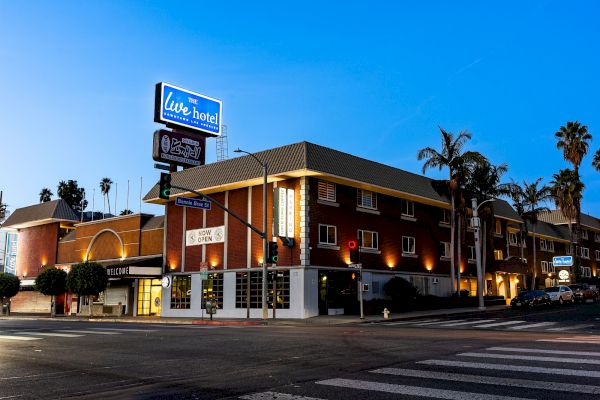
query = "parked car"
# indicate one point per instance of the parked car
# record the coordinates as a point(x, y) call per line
point(584, 292)
point(531, 298)
point(560, 294)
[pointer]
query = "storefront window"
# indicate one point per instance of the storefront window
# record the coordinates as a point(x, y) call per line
point(181, 291)
point(212, 289)
point(252, 285)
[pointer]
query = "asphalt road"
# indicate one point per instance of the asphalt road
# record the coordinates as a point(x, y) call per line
point(68, 359)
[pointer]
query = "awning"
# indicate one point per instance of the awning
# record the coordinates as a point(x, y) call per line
point(510, 265)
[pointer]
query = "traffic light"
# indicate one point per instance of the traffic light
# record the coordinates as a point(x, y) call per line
point(164, 187)
point(273, 256)
point(354, 254)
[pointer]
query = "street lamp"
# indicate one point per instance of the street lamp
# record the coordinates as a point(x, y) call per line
point(477, 226)
point(265, 310)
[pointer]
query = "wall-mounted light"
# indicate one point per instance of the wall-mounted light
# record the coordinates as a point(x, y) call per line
point(213, 264)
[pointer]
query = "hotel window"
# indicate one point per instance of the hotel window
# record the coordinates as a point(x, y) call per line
point(327, 191)
point(585, 252)
point(249, 287)
point(584, 234)
point(408, 208)
point(368, 240)
point(547, 267)
point(327, 234)
point(498, 230)
point(596, 237)
point(586, 272)
point(597, 255)
point(445, 249)
point(512, 239)
point(212, 289)
point(408, 245)
point(472, 254)
point(498, 255)
point(181, 291)
point(543, 245)
point(445, 217)
point(551, 245)
point(569, 249)
point(366, 199)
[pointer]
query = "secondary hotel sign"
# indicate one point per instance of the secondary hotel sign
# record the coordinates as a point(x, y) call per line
point(187, 109)
point(284, 212)
point(178, 148)
point(562, 261)
point(195, 237)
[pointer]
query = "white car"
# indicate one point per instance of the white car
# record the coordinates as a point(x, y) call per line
point(560, 294)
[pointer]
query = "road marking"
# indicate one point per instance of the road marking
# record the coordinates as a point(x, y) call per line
point(506, 323)
point(537, 325)
point(479, 321)
point(67, 335)
point(124, 330)
point(86, 332)
point(9, 337)
point(570, 340)
point(435, 323)
point(412, 390)
point(410, 322)
point(491, 380)
point(532, 358)
point(542, 351)
point(275, 396)
point(513, 368)
point(568, 328)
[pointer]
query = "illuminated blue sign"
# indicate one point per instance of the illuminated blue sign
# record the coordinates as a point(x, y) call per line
point(177, 106)
point(194, 203)
point(562, 261)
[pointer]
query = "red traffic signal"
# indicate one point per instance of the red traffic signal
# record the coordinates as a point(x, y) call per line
point(352, 244)
point(354, 254)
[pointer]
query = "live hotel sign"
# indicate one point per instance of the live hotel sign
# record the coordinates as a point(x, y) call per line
point(187, 109)
point(195, 237)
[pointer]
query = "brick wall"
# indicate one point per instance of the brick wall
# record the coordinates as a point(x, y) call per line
point(36, 246)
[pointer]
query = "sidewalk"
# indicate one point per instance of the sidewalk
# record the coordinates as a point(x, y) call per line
point(322, 320)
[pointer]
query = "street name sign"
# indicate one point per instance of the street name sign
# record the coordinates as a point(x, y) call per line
point(355, 266)
point(195, 237)
point(193, 203)
point(562, 261)
point(190, 110)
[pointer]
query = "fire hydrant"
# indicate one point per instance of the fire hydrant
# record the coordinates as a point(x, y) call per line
point(386, 313)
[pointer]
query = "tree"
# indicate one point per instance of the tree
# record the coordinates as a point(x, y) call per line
point(453, 158)
point(9, 287)
point(105, 185)
point(87, 279)
point(574, 140)
point(45, 195)
point(567, 191)
point(517, 196)
point(70, 192)
point(126, 211)
point(596, 160)
point(51, 282)
point(402, 292)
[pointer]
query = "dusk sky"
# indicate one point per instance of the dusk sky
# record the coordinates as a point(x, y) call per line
point(374, 79)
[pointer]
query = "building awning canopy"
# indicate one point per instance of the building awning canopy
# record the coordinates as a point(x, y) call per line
point(511, 265)
point(131, 268)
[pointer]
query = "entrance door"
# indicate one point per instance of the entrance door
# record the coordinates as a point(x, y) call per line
point(149, 297)
point(338, 292)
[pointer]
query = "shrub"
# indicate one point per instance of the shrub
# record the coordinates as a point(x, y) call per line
point(9, 287)
point(401, 291)
point(51, 282)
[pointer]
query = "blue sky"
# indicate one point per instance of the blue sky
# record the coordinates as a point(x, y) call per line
point(371, 79)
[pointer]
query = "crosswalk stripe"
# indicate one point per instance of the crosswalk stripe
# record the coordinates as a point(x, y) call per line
point(66, 335)
point(513, 368)
point(569, 328)
point(412, 390)
point(275, 396)
point(491, 380)
point(532, 358)
point(569, 341)
point(506, 323)
point(88, 331)
point(472, 322)
point(9, 337)
point(410, 322)
point(435, 323)
point(536, 325)
point(124, 330)
point(543, 351)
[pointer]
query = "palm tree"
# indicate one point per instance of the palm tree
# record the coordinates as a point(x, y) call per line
point(105, 184)
point(596, 160)
point(45, 195)
point(517, 196)
point(567, 191)
point(533, 196)
point(574, 140)
point(453, 158)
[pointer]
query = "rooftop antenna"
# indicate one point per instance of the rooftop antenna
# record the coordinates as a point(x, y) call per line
point(222, 146)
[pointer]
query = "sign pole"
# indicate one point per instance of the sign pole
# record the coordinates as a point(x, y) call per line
point(360, 294)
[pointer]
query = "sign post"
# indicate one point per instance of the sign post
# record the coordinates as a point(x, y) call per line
point(360, 287)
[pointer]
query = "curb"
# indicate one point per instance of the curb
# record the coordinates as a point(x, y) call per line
point(226, 323)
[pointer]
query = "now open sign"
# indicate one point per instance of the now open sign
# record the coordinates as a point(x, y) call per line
point(187, 109)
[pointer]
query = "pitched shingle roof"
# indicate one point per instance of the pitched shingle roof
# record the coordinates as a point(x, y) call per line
point(550, 230)
point(154, 223)
point(315, 158)
point(556, 217)
point(51, 211)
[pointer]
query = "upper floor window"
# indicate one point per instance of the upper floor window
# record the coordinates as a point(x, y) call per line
point(445, 217)
point(585, 252)
point(596, 237)
point(408, 208)
point(550, 245)
point(547, 245)
point(498, 230)
point(512, 239)
point(586, 272)
point(327, 234)
point(366, 199)
point(569, 249)
point(368, 240)
point(498, 255)
point(547, 267)
point(584, 234)
point(408, 245)
point(445, 249)
point(597, 255)
point(326, 191)
point(472, 254)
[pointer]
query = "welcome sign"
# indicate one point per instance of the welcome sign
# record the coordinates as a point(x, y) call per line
point(190, 110)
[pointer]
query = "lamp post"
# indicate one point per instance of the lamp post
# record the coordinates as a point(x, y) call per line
point(477, 226)
point(265, 310)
